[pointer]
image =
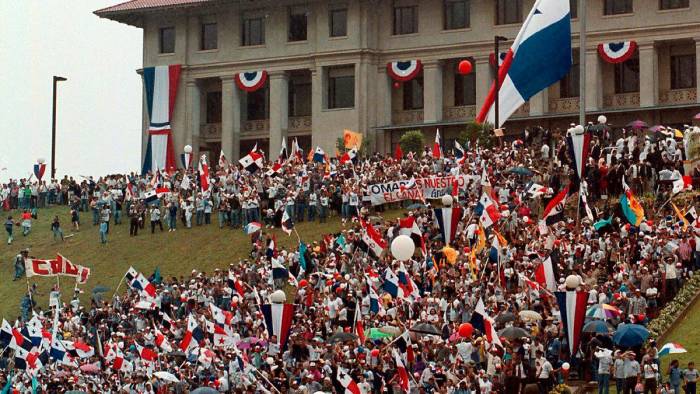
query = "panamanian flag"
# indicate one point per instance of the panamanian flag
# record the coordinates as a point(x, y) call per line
point(539, 57)
point(160, 84)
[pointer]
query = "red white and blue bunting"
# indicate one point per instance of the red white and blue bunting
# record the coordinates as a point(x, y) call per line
point(617, 52)
point(403, 71)
point(251, 81)
point(161, 91)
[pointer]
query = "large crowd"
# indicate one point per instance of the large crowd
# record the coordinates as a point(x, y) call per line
point(351, 330)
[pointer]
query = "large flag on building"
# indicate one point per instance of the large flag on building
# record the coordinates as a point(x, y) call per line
point(278, 320)
point(539, 57)
point(448, 219)
point(572, 306)
point(161, 91)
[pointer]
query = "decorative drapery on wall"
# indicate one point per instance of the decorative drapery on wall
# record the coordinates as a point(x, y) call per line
point(617, 52)
point(251, 81)
point(403, 71)
point(161, 90)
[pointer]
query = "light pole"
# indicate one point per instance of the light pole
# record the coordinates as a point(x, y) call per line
point(56, 79)
point(497, 56)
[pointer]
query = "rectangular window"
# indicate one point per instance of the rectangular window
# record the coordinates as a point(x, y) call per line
point(253, 31)
point(683, 72)
point(627, 76)
point(338, 23)
point(341, 87)
point(509, 11)
point(258, 104)
point(209, 36)
point(456, 14)
point(299, 98)
point(616, 7)
point(214, 107)
point(405, 20)
point(167, 40)
point(413, 93)
point(297, 25)
point(569, 85)
point(573, 8)
point(673, 4)
point(465, 88)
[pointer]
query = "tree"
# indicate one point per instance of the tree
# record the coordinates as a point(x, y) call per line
point(412, 141)
point(473, 132)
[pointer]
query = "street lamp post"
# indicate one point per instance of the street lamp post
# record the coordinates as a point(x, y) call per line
point(56, 79)
point(497, 56)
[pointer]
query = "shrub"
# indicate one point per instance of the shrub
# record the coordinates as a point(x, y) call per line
point(473, 132)
point(412, 141)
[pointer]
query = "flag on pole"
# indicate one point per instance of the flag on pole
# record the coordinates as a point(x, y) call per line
point(572, 306)
point(203, 174)
point(319, 155)
point(547, 274)
point(685, 183)
point(554, 211)
point(223, 163)
point(349, 156)
point(437, 146)
point(347, 382)
point(460, 154)
point(398, 153)
point(631, 208)
point(252, 162)
point(371, 238)
point(401, 371)
point(287, 223)
point(484, 323)
point(543, 44)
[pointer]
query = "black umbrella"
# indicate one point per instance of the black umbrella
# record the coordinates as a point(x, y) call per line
point(426, 329)
point(204, 390)
point(505, 317)
point(100, 289)
point(513, 333)
point(342, 337)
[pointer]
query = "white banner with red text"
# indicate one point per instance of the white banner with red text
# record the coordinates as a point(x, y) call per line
point(416, 189)
point(54, 267)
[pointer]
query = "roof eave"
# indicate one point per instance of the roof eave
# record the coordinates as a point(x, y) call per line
point(130, 18)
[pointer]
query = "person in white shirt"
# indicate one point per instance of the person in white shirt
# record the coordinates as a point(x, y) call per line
point(543, 373)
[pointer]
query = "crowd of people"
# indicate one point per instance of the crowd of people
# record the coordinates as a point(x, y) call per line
point(473, 315)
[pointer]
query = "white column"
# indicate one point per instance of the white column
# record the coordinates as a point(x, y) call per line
point(193, 117)
point(317, 104)
point(383, 103)
point(539, 103)
point(279, 111)
point(697, 67)
point(230, 117)
point(432, 91)
point(648, 75)
point(594, 80)
point(483, 79)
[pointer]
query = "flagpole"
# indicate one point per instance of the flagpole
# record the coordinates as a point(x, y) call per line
point(118, 286)
point(582, 62)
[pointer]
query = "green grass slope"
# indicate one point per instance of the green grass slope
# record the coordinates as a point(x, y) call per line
point(176, 253)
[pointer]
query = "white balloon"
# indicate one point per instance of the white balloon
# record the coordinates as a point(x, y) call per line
point(278, 297)
point(402, 247)
point(572, 282)
point(602, 119)
point(565, 366)
point(447, 200)
point(40, 160)
point(578, 129)
point(188, 149)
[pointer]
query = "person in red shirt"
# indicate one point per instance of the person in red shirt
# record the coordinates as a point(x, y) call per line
point(26, 222)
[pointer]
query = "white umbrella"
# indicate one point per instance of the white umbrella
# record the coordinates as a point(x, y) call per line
point(167, 376)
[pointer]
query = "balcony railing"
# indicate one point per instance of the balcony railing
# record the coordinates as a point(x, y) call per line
point(564, 105)
point(210, 131)
point(678, 96)
point(462, 112)
point(414, 116)
point(524, 110)
point(299, 124)
point(255, 126)
point(622, 100)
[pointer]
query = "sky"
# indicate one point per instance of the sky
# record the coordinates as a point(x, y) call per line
point(98, 124)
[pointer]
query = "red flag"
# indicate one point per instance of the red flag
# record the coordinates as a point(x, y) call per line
point(398, 154)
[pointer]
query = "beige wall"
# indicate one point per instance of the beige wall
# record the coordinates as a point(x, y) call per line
point(370, 44)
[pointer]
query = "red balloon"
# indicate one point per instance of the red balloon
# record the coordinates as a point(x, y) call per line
point(465, 67)
point(397, 85)
point(465, 330)
point(374, 353)
point(303, 283)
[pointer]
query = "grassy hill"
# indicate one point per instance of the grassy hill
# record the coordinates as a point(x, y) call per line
point(176, 253)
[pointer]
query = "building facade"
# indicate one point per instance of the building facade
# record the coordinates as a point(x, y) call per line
point(327, 67)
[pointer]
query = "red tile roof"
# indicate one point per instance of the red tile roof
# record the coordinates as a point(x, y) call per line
point(138, 5)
